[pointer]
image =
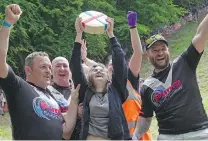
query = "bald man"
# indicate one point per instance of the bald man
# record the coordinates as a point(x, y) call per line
point(61, 89)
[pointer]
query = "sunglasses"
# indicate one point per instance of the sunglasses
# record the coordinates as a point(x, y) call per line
point(153, 38)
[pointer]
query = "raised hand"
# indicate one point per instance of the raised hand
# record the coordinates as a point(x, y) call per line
point(12, 12)
point(110, 26)
point(78, 25)
point(75, 94)
point(132, 18)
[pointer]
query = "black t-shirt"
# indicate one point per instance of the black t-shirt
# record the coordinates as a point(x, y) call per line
point(35, 115)
point(175, 97)
point(65, 91)
point(134, 80)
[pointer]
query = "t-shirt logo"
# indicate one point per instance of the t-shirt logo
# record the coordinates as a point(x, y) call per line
point(62, 104)
point(160, 94)
point(45, 109)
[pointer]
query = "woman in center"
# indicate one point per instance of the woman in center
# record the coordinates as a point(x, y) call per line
point(103, 117)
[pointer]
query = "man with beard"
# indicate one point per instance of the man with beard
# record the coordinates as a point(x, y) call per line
point(35, 115)
point(172, 91)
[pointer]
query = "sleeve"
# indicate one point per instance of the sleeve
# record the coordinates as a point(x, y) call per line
point(147, 109)
point(192, 56)
point(77, 71)
point(11, 83)
point(134, 80)
point(119, 76)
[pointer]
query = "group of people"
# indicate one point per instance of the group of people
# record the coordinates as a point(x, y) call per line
point(92, 101)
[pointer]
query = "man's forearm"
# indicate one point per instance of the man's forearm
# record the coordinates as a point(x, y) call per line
point(4, 40)
point(136, 58)
point(135, 40)
point(143, 125)
point(201, 38)
point(203, 28)
point(4, 43)
point(70, 120)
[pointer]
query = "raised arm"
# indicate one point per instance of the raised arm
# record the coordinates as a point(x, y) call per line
point(201, 38)
point(136, 58)
point(119, 75)
point(76, 62)
point(12, 13)
point(88, 62)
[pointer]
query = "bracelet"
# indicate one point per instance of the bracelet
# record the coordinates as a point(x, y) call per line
point(6, 24)
point(133, 27)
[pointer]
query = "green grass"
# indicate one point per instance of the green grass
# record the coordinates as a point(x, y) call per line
point(178, 42)
point(5, 130)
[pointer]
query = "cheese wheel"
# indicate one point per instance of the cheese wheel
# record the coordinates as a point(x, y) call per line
point(94, 22)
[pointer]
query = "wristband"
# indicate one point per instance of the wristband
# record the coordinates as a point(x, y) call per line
point(6, 24)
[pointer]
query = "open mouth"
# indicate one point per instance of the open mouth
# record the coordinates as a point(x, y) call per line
point(99, 75)
point(160, 60)
point(47, 77)
point(62, 75)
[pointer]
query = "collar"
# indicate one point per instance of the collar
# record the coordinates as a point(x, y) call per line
point(61, 87)
point(39, 88)
point(157, 74)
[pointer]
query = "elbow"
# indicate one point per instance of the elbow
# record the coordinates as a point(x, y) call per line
point(67, 134)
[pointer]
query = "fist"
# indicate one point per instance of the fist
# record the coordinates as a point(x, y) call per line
point(78, 25)
point(132, 18)
point(12, 13)
point(110, 24)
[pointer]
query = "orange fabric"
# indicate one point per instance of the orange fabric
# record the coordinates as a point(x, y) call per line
point(132, 108)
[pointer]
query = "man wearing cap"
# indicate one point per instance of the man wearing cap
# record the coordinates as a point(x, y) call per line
point(172, 91)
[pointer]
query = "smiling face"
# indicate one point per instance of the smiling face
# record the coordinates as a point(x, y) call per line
point(61, 72)
point(98, 76)
point(159, 55)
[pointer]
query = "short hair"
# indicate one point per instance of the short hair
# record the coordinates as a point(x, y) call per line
point(59, 58)
point(30, 58)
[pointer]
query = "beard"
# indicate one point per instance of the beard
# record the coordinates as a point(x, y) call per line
point(160, 66)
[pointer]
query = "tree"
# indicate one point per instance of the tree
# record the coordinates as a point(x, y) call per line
point(47, 25)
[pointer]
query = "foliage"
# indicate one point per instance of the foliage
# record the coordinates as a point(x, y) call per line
point(48, 26)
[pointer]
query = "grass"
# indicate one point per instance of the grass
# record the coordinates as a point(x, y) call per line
point(5, 130)
point(178, 42)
